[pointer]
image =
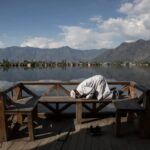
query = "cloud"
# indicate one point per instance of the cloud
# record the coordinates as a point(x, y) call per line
point(137, 7)
point(73, 36)
point(108, 33)
point(1, 44)
point(96, 19)
point(41, 42)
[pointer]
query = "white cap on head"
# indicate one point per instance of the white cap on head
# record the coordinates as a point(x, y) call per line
point(73, 94)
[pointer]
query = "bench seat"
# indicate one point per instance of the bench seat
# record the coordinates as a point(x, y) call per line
point(68, 99)
point(128, 106)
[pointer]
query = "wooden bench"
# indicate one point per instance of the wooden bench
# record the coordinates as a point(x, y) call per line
point(68, 101)
point(13, 104)
point(127, 106)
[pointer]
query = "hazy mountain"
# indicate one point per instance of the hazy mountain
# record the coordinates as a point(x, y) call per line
point(135, 51)
point(56, 54)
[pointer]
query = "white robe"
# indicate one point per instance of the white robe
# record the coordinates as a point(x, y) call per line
point(94, 84)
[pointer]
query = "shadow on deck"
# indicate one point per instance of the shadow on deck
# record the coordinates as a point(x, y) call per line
point(60, 134)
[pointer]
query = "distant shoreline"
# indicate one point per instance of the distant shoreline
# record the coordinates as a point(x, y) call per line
point(64, 63)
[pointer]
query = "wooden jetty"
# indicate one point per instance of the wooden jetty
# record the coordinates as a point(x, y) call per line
point(71, 131)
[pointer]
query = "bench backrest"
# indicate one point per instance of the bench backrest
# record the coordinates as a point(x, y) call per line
point(11, 95)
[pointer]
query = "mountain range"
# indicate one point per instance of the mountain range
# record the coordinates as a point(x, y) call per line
point(56, 54)
point(137, 51)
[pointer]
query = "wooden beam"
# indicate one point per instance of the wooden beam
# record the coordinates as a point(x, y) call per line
point(29, 91)
point(101, 106)
point(64, 89)
point(16, 93)
point(87, 107)
point(65, 107)
point(49, 107)
point(30, 126)
point(48, 83)
point(132, 90)
point(3, 124)
point(50, 89)
point(78, 113)
point(12, 87)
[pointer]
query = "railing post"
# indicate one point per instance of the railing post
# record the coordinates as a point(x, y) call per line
point(133, 94)
point(3, 124)
point(78, 113)
point(145, 119)
point(132, 90)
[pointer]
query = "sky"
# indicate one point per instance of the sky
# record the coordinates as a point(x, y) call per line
point(79, 24)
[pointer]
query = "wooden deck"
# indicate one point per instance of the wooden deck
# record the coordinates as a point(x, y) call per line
point(52, 134)
point(63, 133)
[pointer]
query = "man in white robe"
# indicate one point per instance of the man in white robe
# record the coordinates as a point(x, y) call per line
point(93, 86)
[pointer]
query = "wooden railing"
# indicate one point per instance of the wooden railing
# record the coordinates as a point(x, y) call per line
point(130, 87)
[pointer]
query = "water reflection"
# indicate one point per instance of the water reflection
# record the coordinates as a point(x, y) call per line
point(138, 74)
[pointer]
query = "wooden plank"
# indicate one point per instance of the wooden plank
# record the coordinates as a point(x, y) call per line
point(73, 141)
point(67, 144)
point(32, 145)
point(78, 112)
point(141, 87)
point(51, 99)
point(81, 139)
point(132, 90)
point(30, 126)
point(3, 124)
point(87, 143)
point(48, 83)
point(18, 145)
point(129, 105)
point(6, 145)
point(20, 118)
point(69, 83)
point(16, 93)
point(64, 99)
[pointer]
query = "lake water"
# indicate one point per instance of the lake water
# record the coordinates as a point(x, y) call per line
point(137, 74)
